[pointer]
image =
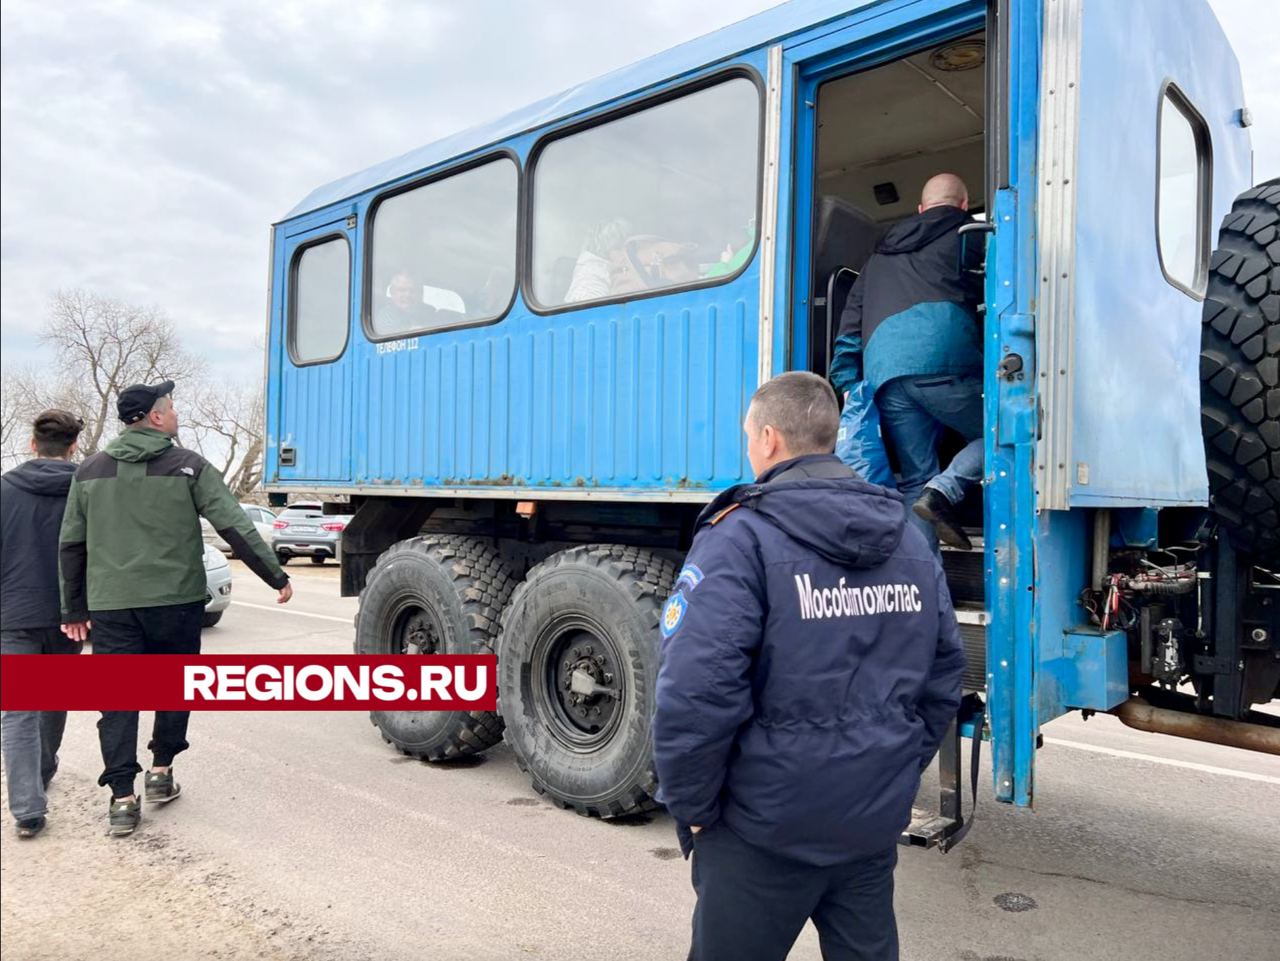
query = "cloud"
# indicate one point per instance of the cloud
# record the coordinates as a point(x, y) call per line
point(148, 146)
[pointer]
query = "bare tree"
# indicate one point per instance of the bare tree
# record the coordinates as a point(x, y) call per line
point(103, 345)
point(224, 422)
point(15, 419)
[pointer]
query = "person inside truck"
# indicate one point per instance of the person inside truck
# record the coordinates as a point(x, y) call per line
point(600, 256)
point(910, 330)
point(651, 262)
point(410, 305)
point(401, 308)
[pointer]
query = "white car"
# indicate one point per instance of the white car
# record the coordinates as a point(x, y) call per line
point(262, 519)
point(217, 595)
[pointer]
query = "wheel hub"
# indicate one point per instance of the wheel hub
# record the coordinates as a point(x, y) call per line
point(586, 691)
point(418, 634)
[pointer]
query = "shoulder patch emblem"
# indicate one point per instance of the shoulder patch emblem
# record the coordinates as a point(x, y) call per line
point(724, 513)
point(673, 613)
point(190, 472)
point(690, 576)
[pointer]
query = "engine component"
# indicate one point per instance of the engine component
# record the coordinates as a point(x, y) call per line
point(1166, 662)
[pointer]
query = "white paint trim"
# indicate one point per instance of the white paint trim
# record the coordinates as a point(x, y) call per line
point(1056, 238)
point(1166, 761)
point(769, 210)
point(266, 344)
point(284, 609)
point(495, 492)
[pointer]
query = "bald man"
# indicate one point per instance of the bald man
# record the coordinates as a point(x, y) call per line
point(910, 330)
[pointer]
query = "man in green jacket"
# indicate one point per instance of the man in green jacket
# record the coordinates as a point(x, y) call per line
point(131, 557)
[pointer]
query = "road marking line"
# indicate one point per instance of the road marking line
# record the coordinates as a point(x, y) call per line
point(281, 609)
point(1168, 762)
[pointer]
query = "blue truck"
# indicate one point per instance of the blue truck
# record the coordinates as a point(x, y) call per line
point(520, 357)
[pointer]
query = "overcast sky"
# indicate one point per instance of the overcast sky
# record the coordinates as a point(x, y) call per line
point(147, 146)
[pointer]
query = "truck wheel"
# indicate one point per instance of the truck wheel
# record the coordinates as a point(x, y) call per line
point(1240, 373)
point(211, 620)
point(434, 594)
point(577, 669)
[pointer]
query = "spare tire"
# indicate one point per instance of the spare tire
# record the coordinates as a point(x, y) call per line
point(1240, 373)
point(435, 594)
point(577, 672)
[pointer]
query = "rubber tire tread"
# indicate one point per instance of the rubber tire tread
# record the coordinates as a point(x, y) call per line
point(1240, 373)
point(484, 582)
point(648, 578)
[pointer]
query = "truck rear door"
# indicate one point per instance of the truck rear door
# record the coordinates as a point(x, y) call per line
point(1117, 146)
point(309, 400)
point(1142, 151)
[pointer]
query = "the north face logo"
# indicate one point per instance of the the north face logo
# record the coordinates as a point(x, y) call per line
point(189, 471)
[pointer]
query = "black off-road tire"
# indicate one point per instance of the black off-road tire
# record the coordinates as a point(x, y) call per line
point(1240, 373)
point(318, 560)
point(284, 559)
point(448, 592)
point(602, 600)
point(211, 620)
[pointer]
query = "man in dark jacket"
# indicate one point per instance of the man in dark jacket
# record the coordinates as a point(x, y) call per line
point(132, 560)
point(32, 499)
point(811, 663)
point(910, 330)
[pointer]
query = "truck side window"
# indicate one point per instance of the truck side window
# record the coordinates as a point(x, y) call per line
point(659, 198)
point(443, 254)
point(1184, 185)
point(320, 301)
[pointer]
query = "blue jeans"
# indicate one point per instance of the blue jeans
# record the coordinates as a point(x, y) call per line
point(913, 412)
point(31, 738)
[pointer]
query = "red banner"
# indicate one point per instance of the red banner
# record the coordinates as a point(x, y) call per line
point(251, 682)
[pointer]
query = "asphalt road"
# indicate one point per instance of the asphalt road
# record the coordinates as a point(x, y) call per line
point(303, 835)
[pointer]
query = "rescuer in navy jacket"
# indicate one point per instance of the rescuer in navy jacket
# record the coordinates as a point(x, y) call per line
point(811, 663)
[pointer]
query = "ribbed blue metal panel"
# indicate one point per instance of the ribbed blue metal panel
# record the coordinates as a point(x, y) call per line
point(643, 395)
point(318, 401)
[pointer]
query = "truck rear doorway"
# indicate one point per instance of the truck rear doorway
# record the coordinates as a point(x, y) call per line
point(879, 134)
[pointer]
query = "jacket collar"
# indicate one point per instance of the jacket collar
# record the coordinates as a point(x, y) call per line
point(804, 467)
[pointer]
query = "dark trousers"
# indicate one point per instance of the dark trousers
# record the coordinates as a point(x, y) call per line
point(143, 630)
point(31, 738)
point(753, 904)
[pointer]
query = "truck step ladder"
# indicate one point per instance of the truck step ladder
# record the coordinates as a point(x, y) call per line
point(948, 826)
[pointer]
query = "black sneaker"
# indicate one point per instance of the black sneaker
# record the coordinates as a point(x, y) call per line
point(936, 509)
point(30, 827)
point(123, 817)
point(161, 788)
